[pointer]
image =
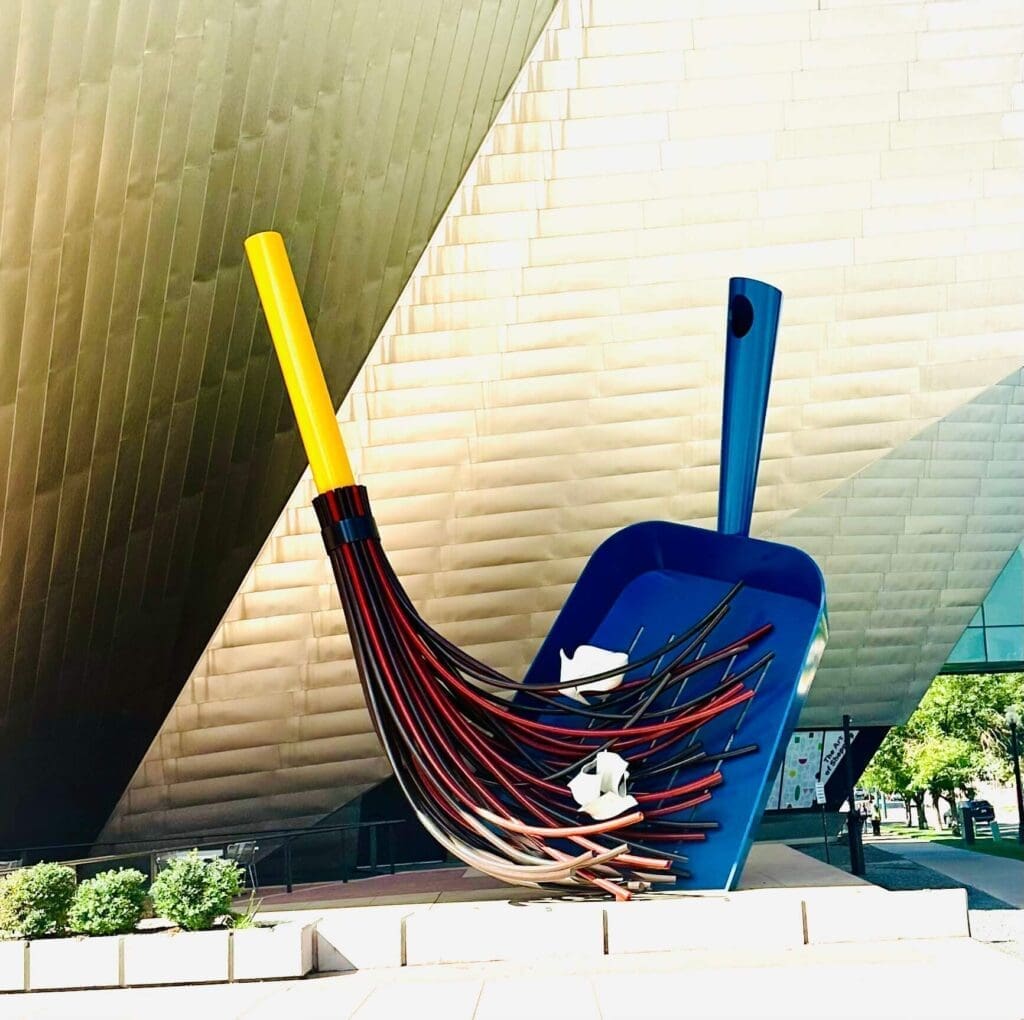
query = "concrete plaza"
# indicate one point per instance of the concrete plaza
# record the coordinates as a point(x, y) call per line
point(897, 979)
point(774, 977)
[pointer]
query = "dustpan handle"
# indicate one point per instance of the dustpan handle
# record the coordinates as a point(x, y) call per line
point(749, 350)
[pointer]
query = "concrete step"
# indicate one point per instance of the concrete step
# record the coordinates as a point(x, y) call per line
point(525, 929)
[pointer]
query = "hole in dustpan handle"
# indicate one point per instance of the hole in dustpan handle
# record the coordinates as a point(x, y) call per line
point(741, 316)
point(749, 351)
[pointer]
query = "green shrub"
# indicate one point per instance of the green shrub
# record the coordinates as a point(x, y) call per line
point(242, 921)
point(35, 901)
point(109, 904)
point(193, 893)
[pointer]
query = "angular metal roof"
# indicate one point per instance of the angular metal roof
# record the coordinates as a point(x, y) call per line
point(145, 447)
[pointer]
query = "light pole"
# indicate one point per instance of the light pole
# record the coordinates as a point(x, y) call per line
point(1013, 721)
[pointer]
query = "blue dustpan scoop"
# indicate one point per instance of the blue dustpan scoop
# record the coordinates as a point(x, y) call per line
point(651, 582)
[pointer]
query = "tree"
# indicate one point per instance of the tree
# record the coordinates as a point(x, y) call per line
point(944, 766)
point(956, 737)
point(973, 708)
point(892, 771)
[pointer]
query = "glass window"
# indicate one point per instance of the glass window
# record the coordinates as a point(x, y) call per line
point(970, 647)
point(1005, 644)
point(996, 632)
point(1004, 604)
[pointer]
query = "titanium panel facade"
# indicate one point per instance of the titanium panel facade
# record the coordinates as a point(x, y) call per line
point(145, 446)
point(552, 370)
point(910, 546)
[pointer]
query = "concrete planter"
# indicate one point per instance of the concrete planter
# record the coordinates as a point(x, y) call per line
point(874, 915)
point(13, 966)
point(476, 932)
point(284, 951)
point(176, 958)
point(772, 919)
point(159, 958)
point(75, 963)
point(358, 938)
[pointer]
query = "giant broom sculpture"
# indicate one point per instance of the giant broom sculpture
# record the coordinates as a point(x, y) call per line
point(483, 759)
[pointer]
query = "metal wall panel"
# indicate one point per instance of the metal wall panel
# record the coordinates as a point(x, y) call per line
point(910, 546)
point(145, 450)
point(552, 371)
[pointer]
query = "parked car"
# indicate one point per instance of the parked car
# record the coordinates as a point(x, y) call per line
point(981, 810)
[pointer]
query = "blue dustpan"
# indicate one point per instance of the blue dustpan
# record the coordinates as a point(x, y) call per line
point(649, 582)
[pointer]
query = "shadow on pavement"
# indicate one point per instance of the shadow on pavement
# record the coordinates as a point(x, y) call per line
point(890, 871)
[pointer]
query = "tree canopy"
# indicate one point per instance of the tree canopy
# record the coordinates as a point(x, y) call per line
point(891, 769)
point(956, 738)
point(972, 707)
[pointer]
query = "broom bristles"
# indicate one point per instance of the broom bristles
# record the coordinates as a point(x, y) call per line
point(486, 776)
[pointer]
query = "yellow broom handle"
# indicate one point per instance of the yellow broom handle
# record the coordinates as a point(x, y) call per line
point(300, 366)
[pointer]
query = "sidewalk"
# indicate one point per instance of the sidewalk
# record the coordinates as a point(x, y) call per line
point(778, 866)
point(998, 876)
point(906, 979)
point(769, 866)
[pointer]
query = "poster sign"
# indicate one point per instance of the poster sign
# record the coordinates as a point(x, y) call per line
point(812, 756)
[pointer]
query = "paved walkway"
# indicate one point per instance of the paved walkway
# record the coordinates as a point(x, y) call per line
point(769, 866)
point(998, 876)
point(893, 979)
point(778, 866)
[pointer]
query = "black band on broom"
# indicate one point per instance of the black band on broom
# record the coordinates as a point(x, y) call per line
point(483, 759)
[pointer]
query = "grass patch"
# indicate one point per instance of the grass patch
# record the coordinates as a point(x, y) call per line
point(994, 848)
point(913, 832)
point(1006, 847)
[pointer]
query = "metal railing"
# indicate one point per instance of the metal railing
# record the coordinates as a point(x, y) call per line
point(273, 844)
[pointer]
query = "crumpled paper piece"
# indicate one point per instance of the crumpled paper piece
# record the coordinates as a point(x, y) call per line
point(602, 793)
point(588, 660)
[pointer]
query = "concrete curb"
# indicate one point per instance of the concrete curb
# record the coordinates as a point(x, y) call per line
point(368, 938)
point(287, 950)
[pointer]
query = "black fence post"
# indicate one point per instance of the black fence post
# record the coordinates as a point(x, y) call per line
point(852, 818)
point(287, 865)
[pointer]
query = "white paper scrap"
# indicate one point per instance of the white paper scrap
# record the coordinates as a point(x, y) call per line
point(588, 660)
point(602, 792)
